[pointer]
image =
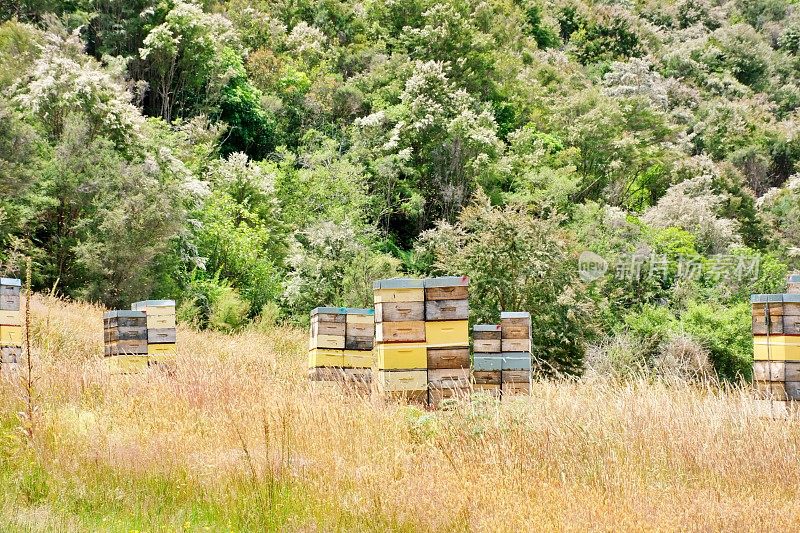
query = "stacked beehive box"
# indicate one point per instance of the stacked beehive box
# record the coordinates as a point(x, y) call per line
point(516, 346)
point(125, 335)
point(161, 334)
point(447, 337)
point(776, 343)
point(487, 361)
point(326, 344)
point(400, 352)
point(359, 342)
point(10, 323)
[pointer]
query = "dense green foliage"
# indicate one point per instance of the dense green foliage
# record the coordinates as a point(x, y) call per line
point(256, 159)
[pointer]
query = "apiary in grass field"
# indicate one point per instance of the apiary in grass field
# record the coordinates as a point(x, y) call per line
point(776, 343)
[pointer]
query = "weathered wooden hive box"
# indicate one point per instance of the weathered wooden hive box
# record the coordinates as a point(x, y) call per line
point(341, 346)
point(326, 344)
point(10, 324)
point(516, 348)
point(400, 354)
point(776, 343)
point(487, 359)
point(125, 340)
point(447, 337)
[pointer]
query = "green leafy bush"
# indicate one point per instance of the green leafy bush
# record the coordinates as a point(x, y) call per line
point(726, 332)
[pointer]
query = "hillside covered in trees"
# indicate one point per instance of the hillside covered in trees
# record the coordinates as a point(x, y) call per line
point(255, 159)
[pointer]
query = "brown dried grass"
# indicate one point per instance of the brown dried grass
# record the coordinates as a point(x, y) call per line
point(238, 418)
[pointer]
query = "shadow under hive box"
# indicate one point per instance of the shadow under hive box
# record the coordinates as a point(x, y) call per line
point(326, 344)
point(400, 355)
point(161, 332)
point(487, 359)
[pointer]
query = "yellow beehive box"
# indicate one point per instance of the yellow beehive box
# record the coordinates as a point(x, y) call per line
point(160, 349)
point(325, 357)
point(10, 335)
point(398, 290)
point(404, 380)
point(360, 319)
point(399, 295)
point(776, 348)
point(126, 364)
point(447, 333)
point(357, 359)
point(10, 318)
point(401, 356)
point(332, 342)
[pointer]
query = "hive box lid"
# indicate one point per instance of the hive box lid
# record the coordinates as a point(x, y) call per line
point(766, 298)
point(446, 281)
point(359, 311)
point(329, 310)
point(794, 278)
point(486, 327)
point(398, 283)
point(514, 314)
point(152, 303)
point(11, 282)
point(124, 313)
point(791, 298)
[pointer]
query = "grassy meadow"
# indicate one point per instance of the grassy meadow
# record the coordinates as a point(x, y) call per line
point(238, 440)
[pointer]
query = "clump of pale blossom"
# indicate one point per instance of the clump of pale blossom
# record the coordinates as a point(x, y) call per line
point(692, 205)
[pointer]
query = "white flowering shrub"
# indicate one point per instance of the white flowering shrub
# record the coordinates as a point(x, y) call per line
point(442, 131)
point(187, 63)
point(691, 205)
point(307, 42)
point(636, 77)
point(59, 86)
point(330, 264)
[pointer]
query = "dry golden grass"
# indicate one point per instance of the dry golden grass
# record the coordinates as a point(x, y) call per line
point(237, 439)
